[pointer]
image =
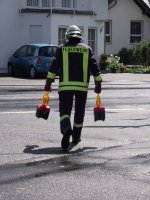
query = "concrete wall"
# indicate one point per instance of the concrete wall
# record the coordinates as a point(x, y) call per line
point(121, 16)
point(15, 30)
point(10, 31)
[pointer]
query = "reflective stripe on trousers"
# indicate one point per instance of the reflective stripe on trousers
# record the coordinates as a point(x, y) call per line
point(66, 99)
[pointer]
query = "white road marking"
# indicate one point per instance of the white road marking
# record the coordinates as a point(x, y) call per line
point(125, 109)
point(106, 109)
point(17, 112)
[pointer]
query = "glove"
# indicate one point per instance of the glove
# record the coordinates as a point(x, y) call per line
point(97, 87)
point(48, 85)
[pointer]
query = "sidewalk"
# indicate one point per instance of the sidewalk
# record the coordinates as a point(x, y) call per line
point(110, 81)
point(109, 77)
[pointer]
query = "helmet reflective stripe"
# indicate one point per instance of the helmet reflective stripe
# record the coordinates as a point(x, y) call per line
point(73, 31)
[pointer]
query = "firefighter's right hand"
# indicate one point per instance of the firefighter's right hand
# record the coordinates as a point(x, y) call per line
point(97, 87)
point(48, 85)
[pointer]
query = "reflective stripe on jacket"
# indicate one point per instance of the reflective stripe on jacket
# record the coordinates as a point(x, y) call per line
point(74, 62)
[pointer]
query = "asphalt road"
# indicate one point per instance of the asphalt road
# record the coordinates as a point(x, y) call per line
point(112, 162)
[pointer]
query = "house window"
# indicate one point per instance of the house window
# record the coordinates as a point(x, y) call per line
point(92, 38)
point(33, 3)
point(66, 3)
point(46, 3)
point(108, 26)
point(135, 31)
point(61, 35)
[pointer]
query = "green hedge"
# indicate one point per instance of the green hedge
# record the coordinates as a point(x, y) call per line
point(139, 55)
point(136, 60)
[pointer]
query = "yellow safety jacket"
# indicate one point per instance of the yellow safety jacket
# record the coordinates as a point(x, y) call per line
point(74, 62)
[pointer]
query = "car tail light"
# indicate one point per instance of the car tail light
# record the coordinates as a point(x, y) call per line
point(39, 60)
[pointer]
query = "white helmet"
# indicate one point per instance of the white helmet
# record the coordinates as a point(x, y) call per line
point(73, 31)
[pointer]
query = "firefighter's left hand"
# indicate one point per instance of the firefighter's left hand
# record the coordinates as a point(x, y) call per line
point(48, 85)
point(97, 87)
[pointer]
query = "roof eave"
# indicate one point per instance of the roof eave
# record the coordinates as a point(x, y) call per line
point(143, 6)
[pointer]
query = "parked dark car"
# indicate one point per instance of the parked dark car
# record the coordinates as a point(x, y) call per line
point(31, 60)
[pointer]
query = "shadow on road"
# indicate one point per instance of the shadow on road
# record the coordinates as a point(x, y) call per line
point(34, 149)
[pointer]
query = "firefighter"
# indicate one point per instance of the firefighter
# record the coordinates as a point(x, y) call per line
point(74, 61)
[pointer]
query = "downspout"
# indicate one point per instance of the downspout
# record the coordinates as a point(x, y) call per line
point(104, 39)
point(73, 5)
point(20, 6)
point(50, 21)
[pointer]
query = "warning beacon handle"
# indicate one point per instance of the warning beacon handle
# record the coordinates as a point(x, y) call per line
point(98, 101)
point(45, 98)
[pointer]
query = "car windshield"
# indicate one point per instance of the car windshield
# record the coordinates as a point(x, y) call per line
point(47, 51)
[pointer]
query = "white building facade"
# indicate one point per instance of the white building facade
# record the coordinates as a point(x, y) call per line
point(128, 24)
point(36, 21)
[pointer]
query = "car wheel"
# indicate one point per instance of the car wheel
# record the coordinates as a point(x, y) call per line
point(10, 70)
point(32, 72)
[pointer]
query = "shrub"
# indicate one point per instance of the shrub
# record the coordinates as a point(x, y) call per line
point(126, 56)
point(103, 62)
point(114, 64)
point(139, 55)
point(123, 54)
point(137, 69)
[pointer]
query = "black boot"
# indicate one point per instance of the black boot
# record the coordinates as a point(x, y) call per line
point(66, 130)
point(75, 141)
point(76, 135)
point(66, 139)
